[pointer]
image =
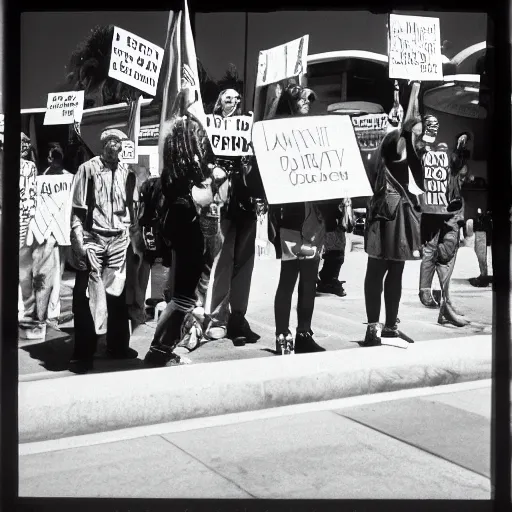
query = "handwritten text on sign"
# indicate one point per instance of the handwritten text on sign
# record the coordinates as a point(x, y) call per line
point(414, 48)
point(285, 61)
point(135, 61)
point(309, 159)
point(64, 108)
point(370, 130)
point(53, 212)
point(436, 167)
point(230, 136)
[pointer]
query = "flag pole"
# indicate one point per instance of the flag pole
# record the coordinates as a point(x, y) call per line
point(245, 58)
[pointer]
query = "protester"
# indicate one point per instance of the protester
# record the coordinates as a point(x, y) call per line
point(229, 287)
point(392, 233)
point(339, 222)
point(297, 231)
point(483, 239)
point(190, 184)
point(103, 191)
point(52, 250)
point(440, 223)
point(31, 327)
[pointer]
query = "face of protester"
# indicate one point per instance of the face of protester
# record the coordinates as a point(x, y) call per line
point(25, 147)
point(111, 149)
point(229, 102)
point(55, 162)
point(303, 105)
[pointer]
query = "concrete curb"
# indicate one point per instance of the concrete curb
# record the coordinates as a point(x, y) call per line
point(86, 404)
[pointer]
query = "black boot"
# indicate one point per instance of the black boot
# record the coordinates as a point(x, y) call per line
point(239, 330)
point(160, 357)
point(305, 344)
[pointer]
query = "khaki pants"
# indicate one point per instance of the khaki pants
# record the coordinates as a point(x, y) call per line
point(40, 275)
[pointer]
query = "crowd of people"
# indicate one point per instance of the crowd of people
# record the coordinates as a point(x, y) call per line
point(200, 215)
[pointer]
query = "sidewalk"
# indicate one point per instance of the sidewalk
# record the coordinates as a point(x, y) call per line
point(337, 322)
point(377, 447)
point(238, 379)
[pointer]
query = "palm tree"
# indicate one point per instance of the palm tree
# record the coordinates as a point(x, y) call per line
point(88, 71)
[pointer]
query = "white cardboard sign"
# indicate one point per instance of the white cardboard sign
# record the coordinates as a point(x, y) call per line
point(309, 159)
point(414, 48)
point(135, 61)
point(284, 61)
point(230, 136)
point(53, 211)
point(64, 108)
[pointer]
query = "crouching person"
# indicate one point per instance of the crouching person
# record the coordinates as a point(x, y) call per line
point(102, 193)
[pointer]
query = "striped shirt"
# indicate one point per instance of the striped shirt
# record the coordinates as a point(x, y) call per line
point(110, 211)
point(28, 193)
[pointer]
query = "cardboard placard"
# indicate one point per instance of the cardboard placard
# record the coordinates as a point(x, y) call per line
point(135, 61)
point(230, 136)
point(370, 129)
point(414, 48)
point(277, 65)
point(64, 108)
point(309, 159)
point(436, 169)
point(284, 61)
point(128, 153)
point(53, 211)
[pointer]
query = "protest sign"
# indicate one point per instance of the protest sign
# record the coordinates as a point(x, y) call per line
point(370, 129)
point(436, 169)
point(309, 159)
point(414, 48)
point(135, 61)
point(64, 108)
point(230, 136)
point(53, 211)
point(277, 65)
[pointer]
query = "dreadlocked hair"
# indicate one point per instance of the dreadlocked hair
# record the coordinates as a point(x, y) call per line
point(186, 154)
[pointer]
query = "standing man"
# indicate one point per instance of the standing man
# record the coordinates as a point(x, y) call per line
point(442, 207)
point(27, 306)
point(53, 242)
point(103, 191)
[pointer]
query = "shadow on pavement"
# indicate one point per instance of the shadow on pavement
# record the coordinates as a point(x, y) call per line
point(56, 351)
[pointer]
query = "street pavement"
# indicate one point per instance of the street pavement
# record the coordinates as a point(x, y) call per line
point(338, 323)
point(430, 443)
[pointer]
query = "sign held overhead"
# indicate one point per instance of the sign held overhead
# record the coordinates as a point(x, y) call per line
point(64, 108)
point(414, 48)
point(135, 61)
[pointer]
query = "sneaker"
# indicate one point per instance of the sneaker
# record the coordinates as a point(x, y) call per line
point(80, 366)
point(129, 353)
point(305, 344)
point(284, 344)
point(239, 330)
point(373, 335)
point(335, 288)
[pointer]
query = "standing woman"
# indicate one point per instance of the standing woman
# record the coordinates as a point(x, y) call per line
point(228, 291)
point(392, 234)
point(297, 231)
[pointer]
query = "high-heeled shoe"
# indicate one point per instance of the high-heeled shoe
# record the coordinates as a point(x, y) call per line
point(284, 344)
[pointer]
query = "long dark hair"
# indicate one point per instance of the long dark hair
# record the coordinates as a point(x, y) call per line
point(186, 154)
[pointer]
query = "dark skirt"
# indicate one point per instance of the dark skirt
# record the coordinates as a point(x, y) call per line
point(397, 239)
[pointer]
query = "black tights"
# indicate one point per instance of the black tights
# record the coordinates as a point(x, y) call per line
point(375, 272)
point(290, 270)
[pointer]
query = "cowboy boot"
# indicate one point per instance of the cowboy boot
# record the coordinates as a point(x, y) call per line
point(427, 299)
point(448, 315)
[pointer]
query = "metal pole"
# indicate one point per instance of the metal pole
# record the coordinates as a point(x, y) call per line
point(245, 58)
